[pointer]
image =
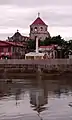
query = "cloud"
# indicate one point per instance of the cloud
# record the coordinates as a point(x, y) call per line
point(19, 14)
point(63, 31)
point(31, 3)
point(22, 17)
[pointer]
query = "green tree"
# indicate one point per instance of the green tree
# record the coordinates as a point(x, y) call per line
point(47, 41)
point(70, 44)
point(31, 44)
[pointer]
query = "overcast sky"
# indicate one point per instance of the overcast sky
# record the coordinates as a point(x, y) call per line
point(19, 14)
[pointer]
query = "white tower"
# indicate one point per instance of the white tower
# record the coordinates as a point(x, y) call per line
point(37, 45)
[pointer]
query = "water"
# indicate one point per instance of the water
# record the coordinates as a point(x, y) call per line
point(36, 99)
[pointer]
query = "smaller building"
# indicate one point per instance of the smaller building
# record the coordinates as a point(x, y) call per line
point(10, 50)
point(34, 56)
point(49, 51)
point(17, 37)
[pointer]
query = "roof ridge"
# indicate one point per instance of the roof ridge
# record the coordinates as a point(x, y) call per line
point(38, 21)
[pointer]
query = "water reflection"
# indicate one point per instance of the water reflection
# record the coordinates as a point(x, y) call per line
point(38, 99)
point(17, 95)
point(42, 97)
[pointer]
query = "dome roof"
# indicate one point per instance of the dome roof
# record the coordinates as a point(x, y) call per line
point(17, 34)
point(38, 21)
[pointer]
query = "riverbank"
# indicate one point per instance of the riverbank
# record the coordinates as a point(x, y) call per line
point(51, 67)
point(34, 76)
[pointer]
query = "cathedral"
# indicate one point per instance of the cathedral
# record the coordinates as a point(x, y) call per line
point(39, 29)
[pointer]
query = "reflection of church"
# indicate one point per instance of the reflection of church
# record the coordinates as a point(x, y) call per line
point(39, 97)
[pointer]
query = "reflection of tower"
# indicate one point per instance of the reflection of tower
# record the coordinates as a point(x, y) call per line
point(58, 91)
point(38, 100)
point(17, 95)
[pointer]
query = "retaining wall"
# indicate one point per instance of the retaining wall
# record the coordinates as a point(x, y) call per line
point(50, 65)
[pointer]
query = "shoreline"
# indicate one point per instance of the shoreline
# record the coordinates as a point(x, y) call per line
point(34, 75)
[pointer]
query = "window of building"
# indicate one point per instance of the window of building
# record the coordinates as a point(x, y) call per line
point(1, 49)
point(31, 29)
point(9, 49)
point(41, 28)
point(35, 28)
point(46, 29)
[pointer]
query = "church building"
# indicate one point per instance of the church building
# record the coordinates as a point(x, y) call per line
point(39, 29)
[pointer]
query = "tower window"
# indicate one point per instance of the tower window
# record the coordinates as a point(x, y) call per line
point(35, 28)
point(31, 29)
point(45, 29)
point(41, 28)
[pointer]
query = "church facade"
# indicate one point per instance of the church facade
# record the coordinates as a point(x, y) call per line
point(17, 37)
point(39, 29)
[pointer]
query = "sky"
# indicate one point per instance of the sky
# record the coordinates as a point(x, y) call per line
point(19, 14)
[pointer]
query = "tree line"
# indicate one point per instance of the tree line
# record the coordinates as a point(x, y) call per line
point(66, 46)
point(56, 40)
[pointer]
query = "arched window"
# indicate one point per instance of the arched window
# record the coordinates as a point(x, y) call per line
point(41, 28)
point(31, 29)
point(46, 29)
point(35, 28)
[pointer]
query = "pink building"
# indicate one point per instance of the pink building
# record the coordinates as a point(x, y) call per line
point(10, 49)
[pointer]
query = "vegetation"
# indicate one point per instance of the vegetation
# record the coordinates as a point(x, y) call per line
point(66, 46)
point(31, 45)
point(53, 40)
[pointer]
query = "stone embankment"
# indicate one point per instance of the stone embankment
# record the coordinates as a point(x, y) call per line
point(33, 66)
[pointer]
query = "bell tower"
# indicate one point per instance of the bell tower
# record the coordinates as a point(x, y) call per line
point(39, 29)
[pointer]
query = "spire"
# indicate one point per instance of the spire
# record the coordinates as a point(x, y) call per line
point(38, 14)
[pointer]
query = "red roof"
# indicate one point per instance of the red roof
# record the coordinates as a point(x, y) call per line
point(46, 46)
point(49, 46)
point(38, 21)
point(12, 43)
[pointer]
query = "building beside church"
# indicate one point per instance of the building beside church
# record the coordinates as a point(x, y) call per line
point(20, 39)
point(17, 37)
point(10, 50)
point(39, 29)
